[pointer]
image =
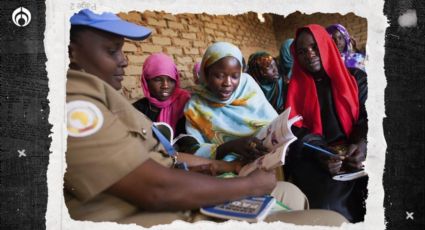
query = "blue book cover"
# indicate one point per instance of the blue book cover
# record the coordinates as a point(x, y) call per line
point(250, 209)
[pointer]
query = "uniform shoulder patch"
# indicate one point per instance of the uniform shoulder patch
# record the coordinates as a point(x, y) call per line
point(83, 118)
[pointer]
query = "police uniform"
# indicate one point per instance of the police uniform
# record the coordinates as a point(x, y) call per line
point(108, 138)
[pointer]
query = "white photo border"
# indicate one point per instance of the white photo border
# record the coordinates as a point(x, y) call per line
point(56, 41)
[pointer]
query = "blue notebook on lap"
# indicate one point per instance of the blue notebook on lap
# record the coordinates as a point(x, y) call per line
point(250, 209)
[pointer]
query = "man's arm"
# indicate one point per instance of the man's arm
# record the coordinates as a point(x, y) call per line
point(154, 187)
point(208, 166)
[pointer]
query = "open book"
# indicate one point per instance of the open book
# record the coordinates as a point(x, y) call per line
point(251, 209)
point(347, 176)
point(182, 143)
point(276, 137)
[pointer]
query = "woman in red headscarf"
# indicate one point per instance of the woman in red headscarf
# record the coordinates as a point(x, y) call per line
point(164, 99)
point(334, 118)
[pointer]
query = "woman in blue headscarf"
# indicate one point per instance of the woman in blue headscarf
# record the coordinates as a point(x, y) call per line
point(227, 108)
point(285, 60)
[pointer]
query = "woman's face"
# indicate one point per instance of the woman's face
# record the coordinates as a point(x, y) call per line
point(270, 72)
point(161, 87)
point(100, 53)
point(222, 77)
point(307, 52)
point(339, 40)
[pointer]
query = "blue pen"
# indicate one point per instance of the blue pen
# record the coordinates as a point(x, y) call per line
point(320, 149)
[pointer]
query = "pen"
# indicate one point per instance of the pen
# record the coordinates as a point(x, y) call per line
point(319, 149)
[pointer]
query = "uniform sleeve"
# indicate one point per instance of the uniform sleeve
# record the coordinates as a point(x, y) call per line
point(100, 159)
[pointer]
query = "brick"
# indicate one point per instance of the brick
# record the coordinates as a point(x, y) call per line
point(210, 25)
point(130, 82)
point(227, 22)
point(132, 17)
point(181, 42)
point(189, 36)
point(210, 38)
point(223, 28)
point(217, 20)
point(132, 93)
point(239, 37)
point(161, 41)
point(129, 47)
point(187, 82)
point(194, 29)
point(149, 48)
point(175, 25)
point(183, 69)
point(219, 33)
point(205, 17)
point(190, 50)
point(169, 17)
point(169, 32)
point(133, 70)
point(136, 59)
point(184, 21)
point(173, 50)
point(151, 14)
point(155, 22)
point(229, 35)
point(199, 44)
point(184, 60)
point(209, 31)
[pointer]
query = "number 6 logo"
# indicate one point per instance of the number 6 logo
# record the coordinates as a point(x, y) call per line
point(21, 17)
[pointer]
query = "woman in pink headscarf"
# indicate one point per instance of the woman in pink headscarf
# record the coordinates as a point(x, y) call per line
point(164, 99)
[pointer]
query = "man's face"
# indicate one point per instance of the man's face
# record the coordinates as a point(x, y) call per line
point(223, 77)
point(100, 53)
point(307, 53)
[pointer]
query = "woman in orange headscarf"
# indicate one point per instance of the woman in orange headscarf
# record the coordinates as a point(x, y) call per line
point(334, 118)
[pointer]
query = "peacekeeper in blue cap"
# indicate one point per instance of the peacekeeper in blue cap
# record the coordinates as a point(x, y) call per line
point(117, 170)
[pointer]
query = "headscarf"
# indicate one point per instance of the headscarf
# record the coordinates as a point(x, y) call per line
point(195, 70)
point(286, 60)
point(213, 121)
point(343, 86)
point(351, 58)
point(272, 90)
point(171, 109)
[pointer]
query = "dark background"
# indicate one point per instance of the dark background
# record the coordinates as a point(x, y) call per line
point(24, 118)
point(404, 125)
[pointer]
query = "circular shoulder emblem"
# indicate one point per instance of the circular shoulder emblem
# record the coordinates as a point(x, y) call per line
point(83, 118)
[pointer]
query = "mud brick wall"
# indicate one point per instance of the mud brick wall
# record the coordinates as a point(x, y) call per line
point(357, 26)
point(186, 36)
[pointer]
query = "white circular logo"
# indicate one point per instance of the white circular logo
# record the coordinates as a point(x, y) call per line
point(83, 118)
point(21, 16)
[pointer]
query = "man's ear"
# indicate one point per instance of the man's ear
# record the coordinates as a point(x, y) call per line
point(72, 53)
point(73, 56)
